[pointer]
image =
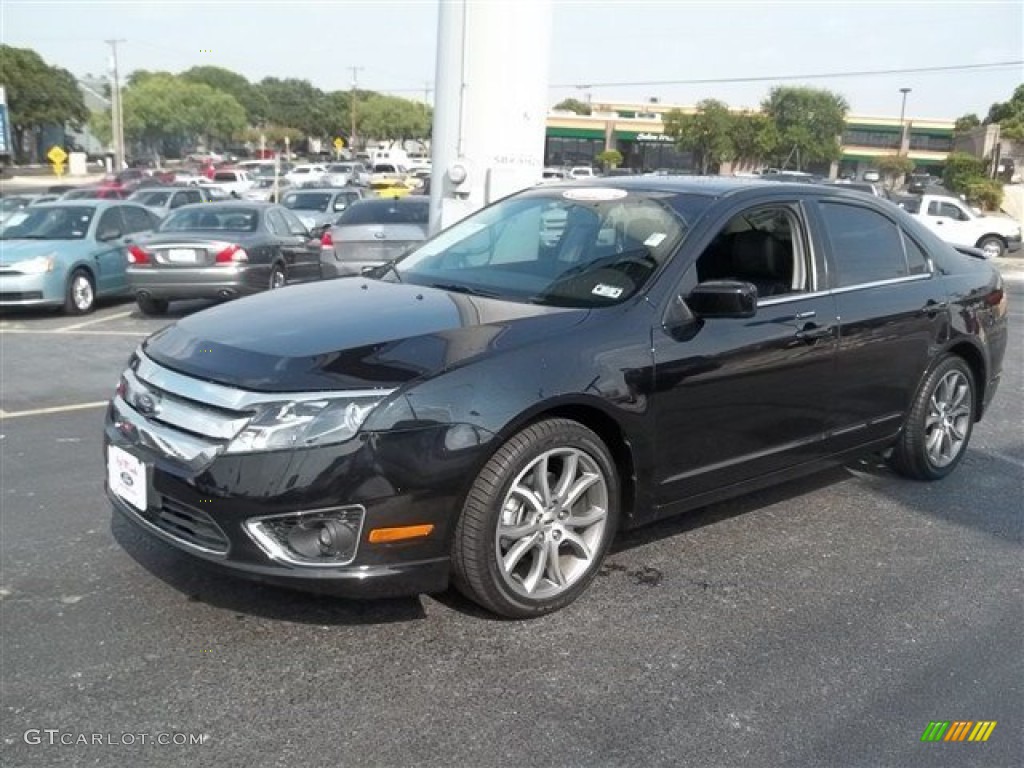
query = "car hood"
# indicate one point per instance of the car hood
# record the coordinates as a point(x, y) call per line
point(19, 250)
point(352, 333)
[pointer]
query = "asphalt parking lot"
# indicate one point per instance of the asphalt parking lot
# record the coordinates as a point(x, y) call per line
point(822, 623)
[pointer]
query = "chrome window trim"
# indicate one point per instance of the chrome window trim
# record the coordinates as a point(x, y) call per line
point(845, 289)
point(231, 398)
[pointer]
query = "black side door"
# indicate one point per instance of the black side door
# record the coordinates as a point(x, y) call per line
point(739, 399)
point(301, 251)
point(893, 308)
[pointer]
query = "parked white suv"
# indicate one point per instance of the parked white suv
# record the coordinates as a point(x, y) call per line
point(956, 223)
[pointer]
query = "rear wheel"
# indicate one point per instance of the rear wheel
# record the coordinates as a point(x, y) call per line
point(938, 427)
point(278, 277)
point(538, 521)
point(151, 306)
point(81, 293)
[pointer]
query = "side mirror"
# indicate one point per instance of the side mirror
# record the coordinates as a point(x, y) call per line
point(723, 298)
point(106, 235)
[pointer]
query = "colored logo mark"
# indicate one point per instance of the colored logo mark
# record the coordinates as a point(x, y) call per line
point(958, 730)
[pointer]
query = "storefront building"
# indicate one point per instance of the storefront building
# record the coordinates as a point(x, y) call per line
point(637, 131)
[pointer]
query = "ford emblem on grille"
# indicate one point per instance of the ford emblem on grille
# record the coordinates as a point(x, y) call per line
point(147, 405)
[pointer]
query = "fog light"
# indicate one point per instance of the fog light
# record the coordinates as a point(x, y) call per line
point(326, 537)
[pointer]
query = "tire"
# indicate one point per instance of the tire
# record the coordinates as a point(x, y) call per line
point(938, 428)
point(278, 278)
point(80, 295)
point(514, 575)
point(993, 246)
point(152, 307)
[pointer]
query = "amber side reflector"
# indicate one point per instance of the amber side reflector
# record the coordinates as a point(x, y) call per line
point(381, 535)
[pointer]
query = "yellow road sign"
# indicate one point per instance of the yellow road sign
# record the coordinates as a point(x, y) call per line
point(56, 155)
point(339, 143)
point(58, 169)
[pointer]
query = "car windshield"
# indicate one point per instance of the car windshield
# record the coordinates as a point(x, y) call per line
point(909, 204)
point(307, 201)
point(339, 168)
point(202, 218)
point(69, 222)
point(386, 212)
point(13, 203)
point(151, 198)
point(581, 247)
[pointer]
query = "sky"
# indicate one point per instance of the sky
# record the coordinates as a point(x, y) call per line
point(600, 44)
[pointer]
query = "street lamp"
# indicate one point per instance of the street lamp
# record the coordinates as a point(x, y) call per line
point(903, 112)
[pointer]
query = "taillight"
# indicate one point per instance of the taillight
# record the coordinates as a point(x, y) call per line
point(138, 256)
point(326, 241)
point(233, 254)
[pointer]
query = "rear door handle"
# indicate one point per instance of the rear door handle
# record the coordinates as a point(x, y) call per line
point(933, 307)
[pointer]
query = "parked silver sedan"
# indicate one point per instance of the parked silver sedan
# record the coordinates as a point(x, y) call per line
point(318, 207)
point(372, 232)
point(220, 251)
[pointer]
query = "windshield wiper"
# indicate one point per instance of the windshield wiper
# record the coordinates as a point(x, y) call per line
point(459, 288)
point(382, 269)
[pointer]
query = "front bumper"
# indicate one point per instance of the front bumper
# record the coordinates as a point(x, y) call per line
point(199, 282)
point(21, 290)
point(398, 479)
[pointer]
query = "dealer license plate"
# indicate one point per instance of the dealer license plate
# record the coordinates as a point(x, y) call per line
point(126, 476)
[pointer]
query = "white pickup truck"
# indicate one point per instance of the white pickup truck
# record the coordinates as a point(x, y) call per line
point(233, 183)
point(956, 223)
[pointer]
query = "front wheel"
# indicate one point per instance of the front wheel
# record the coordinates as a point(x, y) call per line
point(938, 428)
point(538, 520)
point(993, 246)
point(80, 298)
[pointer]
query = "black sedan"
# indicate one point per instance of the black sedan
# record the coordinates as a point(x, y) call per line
point(221, 251)
point(576, 359)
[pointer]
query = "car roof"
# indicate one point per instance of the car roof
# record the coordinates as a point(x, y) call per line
point(86, 202)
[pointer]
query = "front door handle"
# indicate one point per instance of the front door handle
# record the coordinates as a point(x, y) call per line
point(811, 332)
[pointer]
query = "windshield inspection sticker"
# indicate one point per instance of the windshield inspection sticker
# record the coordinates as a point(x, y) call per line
point(594, 194)
point(608, 291)
point(655, 240)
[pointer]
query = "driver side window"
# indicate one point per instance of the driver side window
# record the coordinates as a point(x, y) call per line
point(765, 246)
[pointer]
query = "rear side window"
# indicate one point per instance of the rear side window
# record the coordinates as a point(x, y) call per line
point(917, 259)
point(866, 246)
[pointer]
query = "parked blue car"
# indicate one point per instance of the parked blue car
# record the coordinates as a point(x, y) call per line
point(69, 253)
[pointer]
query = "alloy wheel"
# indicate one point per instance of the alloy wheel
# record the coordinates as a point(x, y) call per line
point(948, 420)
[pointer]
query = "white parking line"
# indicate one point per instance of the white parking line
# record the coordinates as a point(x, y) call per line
point(56, 409)
point(95, 320)
point(74, 333)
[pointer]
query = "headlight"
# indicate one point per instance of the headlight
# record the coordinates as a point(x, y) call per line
point(303, 424)
point(36, 266)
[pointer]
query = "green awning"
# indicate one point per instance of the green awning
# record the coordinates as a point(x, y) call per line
point(575, 133)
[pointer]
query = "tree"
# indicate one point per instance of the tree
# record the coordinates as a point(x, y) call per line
point(393, 118)
point(161, 108)
point(707, 133)
point(893, 168)
point(245, 93)
point(1009, 115)
point(808, 123)
point(610, 158)
point(295, 104)
point(38, 95)
point(753, 137)
point(574, 105)
point(966, 123)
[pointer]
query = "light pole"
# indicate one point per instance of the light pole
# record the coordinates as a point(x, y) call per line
point(903, 112)
point(117, 115)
